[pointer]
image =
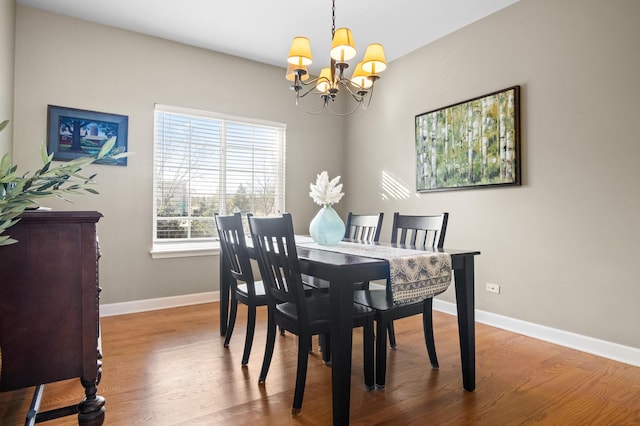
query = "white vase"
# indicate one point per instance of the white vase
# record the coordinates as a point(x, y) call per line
point(327, 228)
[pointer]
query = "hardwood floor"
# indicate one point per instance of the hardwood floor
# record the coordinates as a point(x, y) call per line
point(169, 367)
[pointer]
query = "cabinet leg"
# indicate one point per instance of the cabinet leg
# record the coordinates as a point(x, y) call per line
point(91, 410)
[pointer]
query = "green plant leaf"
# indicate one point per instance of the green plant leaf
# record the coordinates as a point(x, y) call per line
point(5, 164)
point(108, 145)
point(44, 155)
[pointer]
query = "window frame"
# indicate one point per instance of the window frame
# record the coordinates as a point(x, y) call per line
point(186, 247)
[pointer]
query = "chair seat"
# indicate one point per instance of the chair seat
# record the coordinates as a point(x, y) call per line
point(320, 284)
point(261, 296)
point(318, 309)
point(382, 303)
point(259, 285)
point(315, 282)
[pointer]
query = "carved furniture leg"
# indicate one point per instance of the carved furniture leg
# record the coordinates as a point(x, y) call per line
point(91, 410)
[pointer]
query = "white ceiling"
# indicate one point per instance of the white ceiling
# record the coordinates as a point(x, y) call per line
point(262, 30)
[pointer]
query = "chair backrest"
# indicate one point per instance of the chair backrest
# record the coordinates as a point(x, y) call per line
point(234, 249)
point(363, 227)
point(274, 241)
point(420, 231)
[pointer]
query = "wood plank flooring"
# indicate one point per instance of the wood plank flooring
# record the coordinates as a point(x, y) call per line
point(169, 367)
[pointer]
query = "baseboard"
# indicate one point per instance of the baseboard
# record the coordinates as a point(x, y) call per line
point(614, 351)
point(132, 307)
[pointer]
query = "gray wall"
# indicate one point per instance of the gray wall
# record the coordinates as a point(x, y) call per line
point(7, 49)
point(75, 63)
point(563, 246)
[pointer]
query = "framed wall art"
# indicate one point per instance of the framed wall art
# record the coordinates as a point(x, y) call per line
point(72, 133)
point(471, 144)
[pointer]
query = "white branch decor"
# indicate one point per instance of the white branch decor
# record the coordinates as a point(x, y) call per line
point(326, 192)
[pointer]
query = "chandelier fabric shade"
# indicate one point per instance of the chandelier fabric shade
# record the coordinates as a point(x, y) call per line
point(374, 60)
point(332, 79)
point(342, 47)
point(360, 78)
point(324, 81)
point(300, 52)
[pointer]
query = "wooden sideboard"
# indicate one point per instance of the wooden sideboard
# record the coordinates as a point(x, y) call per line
point(49, 310)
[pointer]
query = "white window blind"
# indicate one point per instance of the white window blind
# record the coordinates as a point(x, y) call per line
point(206, 163)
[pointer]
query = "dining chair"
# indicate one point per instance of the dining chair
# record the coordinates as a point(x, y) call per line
point(420, 232)
point(250, 293)
point(274, 242)
point(363, 227)
point(417, 231)
point(360, 227)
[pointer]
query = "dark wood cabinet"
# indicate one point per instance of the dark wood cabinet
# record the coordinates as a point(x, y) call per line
point(49, 310)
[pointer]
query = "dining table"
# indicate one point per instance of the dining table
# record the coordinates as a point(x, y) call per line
point(342, 270)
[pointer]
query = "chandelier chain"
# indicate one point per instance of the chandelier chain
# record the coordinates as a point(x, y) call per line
point(333, 19)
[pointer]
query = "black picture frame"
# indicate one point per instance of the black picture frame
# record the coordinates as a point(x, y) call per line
point(470, 144)
point(73, 133)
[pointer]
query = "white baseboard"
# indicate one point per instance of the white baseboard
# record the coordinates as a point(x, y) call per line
point(614, 351)
point(132, 307)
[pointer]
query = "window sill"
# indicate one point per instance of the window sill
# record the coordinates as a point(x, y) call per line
point(165, 251)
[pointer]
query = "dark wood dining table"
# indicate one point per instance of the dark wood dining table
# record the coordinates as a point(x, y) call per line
point(342, 270)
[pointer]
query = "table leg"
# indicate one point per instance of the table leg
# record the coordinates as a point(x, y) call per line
point(341, 294)
point(465, 302)
point(224, 297)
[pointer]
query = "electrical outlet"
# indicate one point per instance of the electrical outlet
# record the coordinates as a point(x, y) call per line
point(493, 288)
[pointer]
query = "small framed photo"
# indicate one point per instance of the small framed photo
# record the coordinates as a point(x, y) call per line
point(471, 144)
point(73, 133)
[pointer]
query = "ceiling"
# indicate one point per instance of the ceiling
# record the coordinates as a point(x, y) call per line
point(262, 30)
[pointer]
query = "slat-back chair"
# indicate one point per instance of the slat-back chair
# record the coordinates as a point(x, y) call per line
point(274, 242)
point(422, 232)
point(250, 293)
point(363, 227)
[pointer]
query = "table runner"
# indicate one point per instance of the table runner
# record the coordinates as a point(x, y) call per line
point(415, 275)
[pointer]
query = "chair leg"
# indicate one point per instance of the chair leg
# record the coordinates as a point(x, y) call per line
point(233, 311)
point(367, 349)
point(381, 352)
point(325, 340)
point(301, 374)
point(427, 325)
point(268, 350)
point(251, 326)
point(392, 335)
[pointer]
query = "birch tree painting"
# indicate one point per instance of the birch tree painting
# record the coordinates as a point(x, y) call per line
point(470, 144)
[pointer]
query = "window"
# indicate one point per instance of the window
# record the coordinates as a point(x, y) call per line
point(206, 163)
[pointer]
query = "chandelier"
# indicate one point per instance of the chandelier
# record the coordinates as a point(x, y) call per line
point(332, 79)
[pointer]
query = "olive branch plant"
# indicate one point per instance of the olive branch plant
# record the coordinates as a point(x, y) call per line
point(18, 192)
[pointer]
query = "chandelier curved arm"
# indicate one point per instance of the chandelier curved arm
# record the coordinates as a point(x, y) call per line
point(325, 105)
point(343, 114)
point(360, 95)
point(300, 84)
